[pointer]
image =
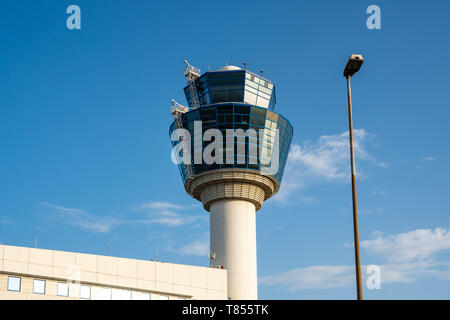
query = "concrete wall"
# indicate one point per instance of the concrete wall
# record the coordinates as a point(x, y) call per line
point(157, 278)
point(233, 241)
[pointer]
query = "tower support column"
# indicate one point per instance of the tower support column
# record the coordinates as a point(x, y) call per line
point(232, 197)
point(233, 242)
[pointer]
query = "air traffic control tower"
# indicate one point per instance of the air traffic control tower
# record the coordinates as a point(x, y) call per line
point(233, 169)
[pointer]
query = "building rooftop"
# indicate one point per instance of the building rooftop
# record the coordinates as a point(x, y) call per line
point(98, 271)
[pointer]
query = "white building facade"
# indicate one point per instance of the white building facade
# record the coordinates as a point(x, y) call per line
point(30, 273)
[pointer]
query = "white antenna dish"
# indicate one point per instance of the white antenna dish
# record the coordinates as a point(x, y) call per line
point(211, 257)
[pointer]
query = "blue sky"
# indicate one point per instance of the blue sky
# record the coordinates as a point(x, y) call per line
point(85, 152)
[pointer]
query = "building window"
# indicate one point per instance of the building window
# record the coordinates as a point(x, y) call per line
point(39, 286)
point(63, 289)
point(85, 292)
point(118, 294)
point(106, 294)
point(163, 297)
point(14, 283)
point(140, 296)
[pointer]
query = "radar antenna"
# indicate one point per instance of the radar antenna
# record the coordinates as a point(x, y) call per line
point(191, 73)
point(177, 110)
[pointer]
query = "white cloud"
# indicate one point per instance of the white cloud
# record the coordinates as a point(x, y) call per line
point(329, 276)
point(407, 272)
point(82, 219)
point(94, 223)
point(326, 159)
point(378, 193)
point(368, 212)
point(195, 248)
point(161, 205)
point(329, 156)
point(172, 219)
point(314, 277)
point(409, 257)
point(404, 247)
point(5, 220)
point(163, 213)
point(429, 158)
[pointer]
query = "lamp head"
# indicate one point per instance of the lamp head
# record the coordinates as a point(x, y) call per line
point(353, 65)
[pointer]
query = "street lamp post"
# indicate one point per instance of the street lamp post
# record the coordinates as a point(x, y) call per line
point(353, 65)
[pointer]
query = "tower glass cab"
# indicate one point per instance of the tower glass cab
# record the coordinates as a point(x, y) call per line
point(223, 116)
point(232, 84)
point(232, 98)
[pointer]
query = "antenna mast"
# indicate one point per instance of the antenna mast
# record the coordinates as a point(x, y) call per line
point(191, 73)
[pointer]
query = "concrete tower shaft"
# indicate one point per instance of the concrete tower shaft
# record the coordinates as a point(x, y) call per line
point(233, 241)
point(232, 197)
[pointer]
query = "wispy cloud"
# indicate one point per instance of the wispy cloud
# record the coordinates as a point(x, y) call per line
point(412, 271)
point(199, 247)
point(160, 205)
point(5, 220)
point(196, 248)
point(314, 277)
point(103, 224)
point(429, 158)
point(368, 212)
point(324, 160)
point(378, 193)
point(164, 213)
point(410, 256)
point(419, 244)
point(329, 276)
point(82, 219)
point(170, 218)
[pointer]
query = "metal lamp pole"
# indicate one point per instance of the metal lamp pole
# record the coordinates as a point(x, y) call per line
point(353, 65)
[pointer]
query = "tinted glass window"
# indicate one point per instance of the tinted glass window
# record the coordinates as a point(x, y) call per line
point(215, 75)
point(259, 112)
point(239, 119)
point(236, 95)
point(257, 121)
point(241, 109)
point(219, 96)
point(225, 109)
